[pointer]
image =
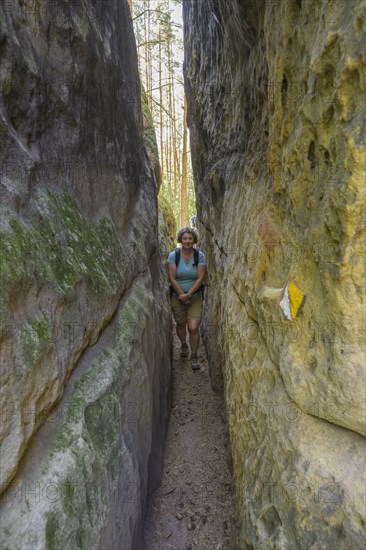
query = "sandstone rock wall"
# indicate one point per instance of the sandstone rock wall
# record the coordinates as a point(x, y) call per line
point(83, 482)
point(276, 114)
point(83, 280)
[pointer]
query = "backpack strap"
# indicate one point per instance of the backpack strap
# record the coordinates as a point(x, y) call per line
point(177, 259)
point(196, 256)
point(196, 253)
point(177, 256)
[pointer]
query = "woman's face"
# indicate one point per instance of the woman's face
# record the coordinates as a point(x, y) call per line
point(187, 240)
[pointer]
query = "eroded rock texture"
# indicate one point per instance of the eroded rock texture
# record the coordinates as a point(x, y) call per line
point(276, 112)
point(85, 322)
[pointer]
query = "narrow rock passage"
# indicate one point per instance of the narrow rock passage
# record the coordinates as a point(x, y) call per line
point(193, 507)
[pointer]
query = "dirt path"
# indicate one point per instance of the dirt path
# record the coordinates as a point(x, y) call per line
point(193, 507)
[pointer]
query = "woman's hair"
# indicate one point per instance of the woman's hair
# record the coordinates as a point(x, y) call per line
point(187, 230)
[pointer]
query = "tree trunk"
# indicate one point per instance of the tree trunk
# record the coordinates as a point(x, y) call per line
point(161, 107)
point(184, 189)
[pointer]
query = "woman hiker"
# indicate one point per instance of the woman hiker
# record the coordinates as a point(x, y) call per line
point(187, 267)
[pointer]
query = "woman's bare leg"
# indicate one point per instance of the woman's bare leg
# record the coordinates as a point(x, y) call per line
point(181, 332)
point(194, 334)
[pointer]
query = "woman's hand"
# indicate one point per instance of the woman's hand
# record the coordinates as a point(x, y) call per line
point(185, 298)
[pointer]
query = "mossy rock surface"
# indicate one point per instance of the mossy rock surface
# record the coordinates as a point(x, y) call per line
point(167, 216)
point(150, 138)
point(63, 249)
point(95, 458)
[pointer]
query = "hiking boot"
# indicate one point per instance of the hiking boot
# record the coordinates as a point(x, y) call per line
point(194, 362)
point(184, 351)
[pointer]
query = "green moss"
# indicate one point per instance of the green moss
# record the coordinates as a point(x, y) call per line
point(168, 218)
point(149, 129)
point(90, 429)
point(150, 137)
point(89, 442)
point(63, 248)
point(36, 340)
point(70, 493)
point(102, 424)
point(52, 527)
point(145, 109)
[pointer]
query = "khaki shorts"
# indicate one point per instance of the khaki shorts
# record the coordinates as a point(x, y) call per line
point(182, 312)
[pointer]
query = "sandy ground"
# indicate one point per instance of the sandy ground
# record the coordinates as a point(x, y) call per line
point(193, 507)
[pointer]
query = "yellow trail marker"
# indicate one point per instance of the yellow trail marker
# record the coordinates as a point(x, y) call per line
point(292, 301)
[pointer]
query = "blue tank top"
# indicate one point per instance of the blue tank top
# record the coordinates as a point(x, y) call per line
point(187, 273)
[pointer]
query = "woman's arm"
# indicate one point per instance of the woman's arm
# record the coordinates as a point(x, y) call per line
point(201, 270)
point(172, 274)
